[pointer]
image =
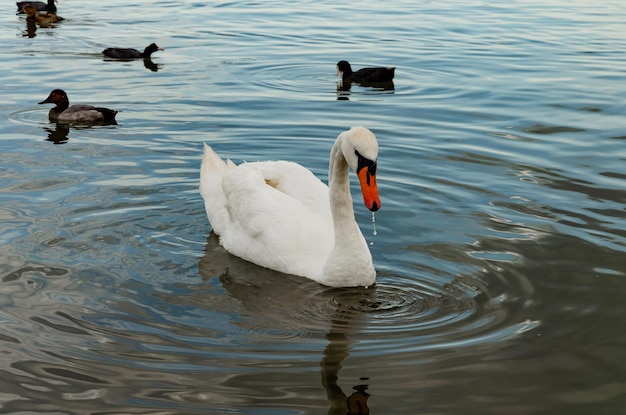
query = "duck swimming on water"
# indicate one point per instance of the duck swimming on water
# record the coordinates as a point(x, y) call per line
point(39, 6)
point(41, 19)
point(77, 114)
point(129, 53)
point(365, 75)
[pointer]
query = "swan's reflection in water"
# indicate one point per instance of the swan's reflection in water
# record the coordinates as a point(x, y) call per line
point(299, 303)
point(336, 351)
point(357, 402)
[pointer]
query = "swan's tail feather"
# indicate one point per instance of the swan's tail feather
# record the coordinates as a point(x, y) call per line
point(212, 174)
point(211, 161)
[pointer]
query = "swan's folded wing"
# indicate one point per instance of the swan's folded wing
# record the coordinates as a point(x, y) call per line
point(271, 227)
point(297, 182)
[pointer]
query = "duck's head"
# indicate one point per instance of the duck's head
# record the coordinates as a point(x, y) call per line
point(152, 47)
point(29, 10)
point(360, 150)
point(343, 67)
point(57, 96)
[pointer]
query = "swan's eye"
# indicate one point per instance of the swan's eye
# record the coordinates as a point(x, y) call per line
point(365, 163)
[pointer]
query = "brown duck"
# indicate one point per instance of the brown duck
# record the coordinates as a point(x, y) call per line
point(77, 114)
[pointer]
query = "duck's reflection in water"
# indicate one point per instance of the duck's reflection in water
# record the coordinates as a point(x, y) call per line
point(58, 133)
point(344, 88)
point(280, 298)
point(343, 91)
point(30, 30)
point(149, 64)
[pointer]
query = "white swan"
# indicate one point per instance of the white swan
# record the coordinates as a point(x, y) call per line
point(277, 214)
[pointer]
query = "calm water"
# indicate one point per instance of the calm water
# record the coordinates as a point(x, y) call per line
point(501, 245)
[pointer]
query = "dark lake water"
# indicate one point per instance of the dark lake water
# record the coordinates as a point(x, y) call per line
point(500, 247)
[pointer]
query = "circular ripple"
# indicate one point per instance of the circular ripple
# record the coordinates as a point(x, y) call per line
point(33, 116)
point(295, 78)
point(273, 332)
point(399, 313)
point(304, 78)
point(301, 78)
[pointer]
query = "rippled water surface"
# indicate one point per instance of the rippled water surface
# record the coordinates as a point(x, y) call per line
point(500, 246)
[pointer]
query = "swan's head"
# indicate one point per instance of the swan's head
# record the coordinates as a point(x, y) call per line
point(360, 150)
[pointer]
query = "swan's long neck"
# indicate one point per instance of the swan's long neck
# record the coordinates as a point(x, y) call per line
point(350, 262)
point(340, 198)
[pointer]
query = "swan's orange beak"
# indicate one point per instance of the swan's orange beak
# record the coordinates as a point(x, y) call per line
point(367, 178)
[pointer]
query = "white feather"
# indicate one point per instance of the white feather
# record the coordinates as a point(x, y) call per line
point(277, 214)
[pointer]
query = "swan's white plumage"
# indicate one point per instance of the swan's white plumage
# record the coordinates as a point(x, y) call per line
point(277, 214)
